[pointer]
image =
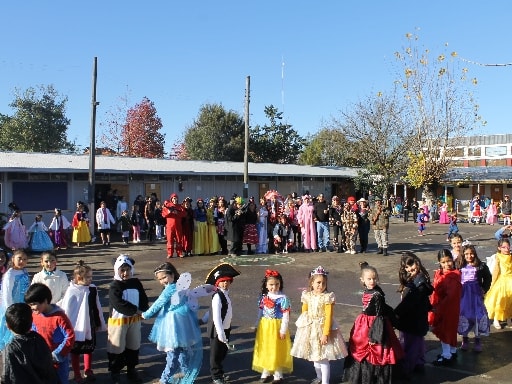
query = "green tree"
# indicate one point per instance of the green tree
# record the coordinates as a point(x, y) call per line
point(275, 143)
point(141, 136)
point(39, 123)
point(215, 135)
point(328, 147)
point(441, 106)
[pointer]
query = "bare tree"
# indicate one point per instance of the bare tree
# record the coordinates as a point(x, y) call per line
point(440, 107)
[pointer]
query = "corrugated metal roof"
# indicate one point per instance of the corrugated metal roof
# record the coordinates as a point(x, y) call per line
point(64, 163)
point(480, 174)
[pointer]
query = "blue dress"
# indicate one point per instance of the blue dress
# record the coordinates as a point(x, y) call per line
point(39, 239)
point(15, 283)
point(176, 331)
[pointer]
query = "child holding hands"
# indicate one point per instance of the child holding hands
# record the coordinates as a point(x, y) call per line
point(374, 347)
point(318, 338)
point(272, 346)
point(444, 318)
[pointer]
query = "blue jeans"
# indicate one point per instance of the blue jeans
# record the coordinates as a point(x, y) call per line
point(322, 231)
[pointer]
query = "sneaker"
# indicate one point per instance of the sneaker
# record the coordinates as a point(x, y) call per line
point(316, 381)
point(442, 361)
point(478, 346)
point(496, 324)
point(352, 252)
point(465, 344)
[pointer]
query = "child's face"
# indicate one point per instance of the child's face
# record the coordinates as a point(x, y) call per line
point(469, 256)
point(85, 280)
point(164, 278)
point(446, 263)
point(369, 279)
point(48, 262)
point(505, 248)
point(412, 270)
point(19, 261)
point(273, 285)
point(224, 284)
point(319, 284)
point(456, 244)
point(39, 308)
point(125, 272)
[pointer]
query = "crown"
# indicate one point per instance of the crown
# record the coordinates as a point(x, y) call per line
point(319, 271)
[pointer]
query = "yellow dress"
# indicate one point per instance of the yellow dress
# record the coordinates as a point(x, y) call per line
point(310, 325)
point(270, 352)
point(81, 233)
point(498, 300)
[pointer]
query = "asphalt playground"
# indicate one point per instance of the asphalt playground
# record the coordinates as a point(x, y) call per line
point(493, 365)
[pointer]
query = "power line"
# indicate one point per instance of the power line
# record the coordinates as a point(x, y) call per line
point(486, 64)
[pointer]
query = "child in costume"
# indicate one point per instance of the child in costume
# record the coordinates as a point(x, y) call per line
point(453, 229)
point(412, 312)
point(283, 235)
point(220, 316)
point(176, 329)
point(498, 298)
point(318, 338)
point(456, 242)
point(39, 239)
point(15, 233)
point(128, 300)
point(82, 305)
point(476, 280)
point(422, 222)
point(374, 347)
point(53, 325)
point(125, 225)
point(273, 344)
point(15, 283)
point(27, 358)
point(80, 223)
point(58, 229)
point(136, 218)
point(262, 227)
point(51, 276)
point(444, 318)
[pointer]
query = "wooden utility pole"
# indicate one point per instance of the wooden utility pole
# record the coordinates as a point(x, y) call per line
point(92, 147)
point(246, 149)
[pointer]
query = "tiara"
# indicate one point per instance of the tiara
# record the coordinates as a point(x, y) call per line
point(466, 243)
point(319, 271)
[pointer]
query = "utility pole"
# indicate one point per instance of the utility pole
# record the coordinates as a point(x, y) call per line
point(246, 149)
point(92, 147)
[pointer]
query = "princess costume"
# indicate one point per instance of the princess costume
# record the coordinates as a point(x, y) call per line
point(15, 234)
point(39, 239)
point(58, 228)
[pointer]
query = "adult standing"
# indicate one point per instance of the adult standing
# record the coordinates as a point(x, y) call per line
point(415, 206)
point(363, 224)
point(307, 224)
point(335, 219)
point(235, 226)
point(380, 221)
point(173, 212)
point(506, 209)
point(321, 217)
point(104, 220)
point(405, 208)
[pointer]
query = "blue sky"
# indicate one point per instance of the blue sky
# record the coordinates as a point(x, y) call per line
point(182, 55)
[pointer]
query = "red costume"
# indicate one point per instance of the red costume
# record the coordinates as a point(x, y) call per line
point(444, 318)
point(173, 212)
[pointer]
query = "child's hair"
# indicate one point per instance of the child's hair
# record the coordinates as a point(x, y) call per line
point(442, 254)
point(39, 218)
point(168, 268)
point(461, 260)
point(49, 253)
point(19, 252)
point(409, 259)
point(125, 212)
point(81, 269)
point(271, 274)
point(365, 267)
point(503, 240)
point(38, 293)
point(457, 236)
point(18, 318)
point(318, 271)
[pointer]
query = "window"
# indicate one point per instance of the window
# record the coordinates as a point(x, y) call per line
point(495, 151)
point(474, 151)
point(40, 195)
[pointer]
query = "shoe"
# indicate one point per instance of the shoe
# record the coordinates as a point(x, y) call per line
point(347, 251)
point(316, 381)
point(266, 379)
point(465, 344)
point(454, 356)
point(442, 361)
point(496, 324)
point(133, 377)
point(115, 378)
point(108, 244)
point(352, 252)
point(89, 375)
point(218, 381)
point(478, 345)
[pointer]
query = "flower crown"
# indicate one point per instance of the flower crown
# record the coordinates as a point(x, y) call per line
point(271, 273)
point(318, 271)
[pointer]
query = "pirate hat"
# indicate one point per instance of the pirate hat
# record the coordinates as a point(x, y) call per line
point(220, 271)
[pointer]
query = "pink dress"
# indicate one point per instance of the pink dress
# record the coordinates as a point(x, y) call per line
point(492, 214)
point(308, 226)
point(443, 215)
